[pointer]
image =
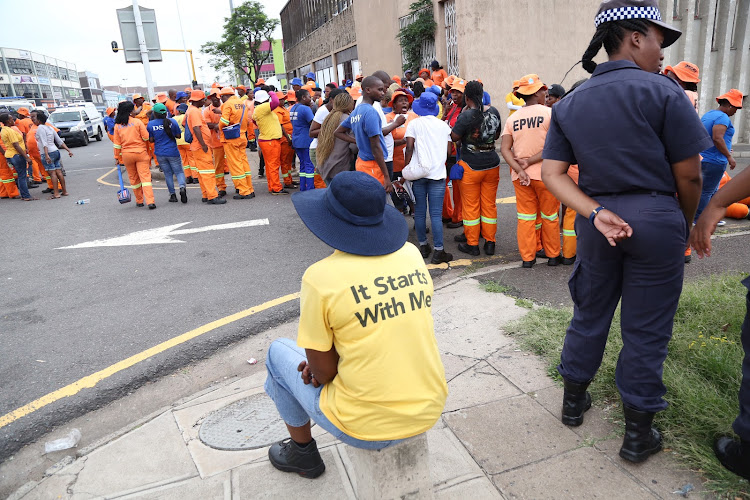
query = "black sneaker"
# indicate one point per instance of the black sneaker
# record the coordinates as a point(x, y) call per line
point(441, 256)
point(222, 193)
point(204, 200)
point(183, 195)
point(528, 264)
point(460, 238)
point(470, 249)
point(554, 261)
point(425, 250)
point(454, 225)
point(217, 201)
point(489, 248)
point(734, 455)
point(288, 456)
point(46, 191)
point(569, 261)
point(172, 198)
point(140, 205)
point(244, 197)
point(280, 192)
point(152, 206)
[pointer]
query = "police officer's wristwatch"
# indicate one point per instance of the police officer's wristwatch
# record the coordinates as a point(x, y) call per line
point(594, 212)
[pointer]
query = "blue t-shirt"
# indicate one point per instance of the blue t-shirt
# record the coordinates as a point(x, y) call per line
point(110, 124)
point(301, 117)
point(163, 145)
point(365, 122)
point(716, 117)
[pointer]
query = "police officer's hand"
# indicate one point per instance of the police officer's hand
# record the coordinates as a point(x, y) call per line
point(732, 162)
point(612, 226)
point(307, 376)
point(700, 236)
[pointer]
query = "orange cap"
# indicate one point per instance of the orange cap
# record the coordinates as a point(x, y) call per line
point(459, 84)
point(516, 84)
point(685, 71)
point(23, 111)
point(137, 96)
point(291, 96)
point(241, 87)
point(107, 111)
point(449, 81)
point(214, 85)
point(358, 77)
point(355, 92)
point(281, 95)
point(214, 91)
point(734, 97)
point(161, 97)
point(424, 70)
point(188, 89)
point(260, 81)
point(227, 91)
point(530, 84)
point(197, 95)
point(398, 93)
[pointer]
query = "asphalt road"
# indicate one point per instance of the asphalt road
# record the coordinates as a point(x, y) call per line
point(66, 314)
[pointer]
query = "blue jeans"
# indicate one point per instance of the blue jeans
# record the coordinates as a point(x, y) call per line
point(19, 163)
point(429, 192)
point(55, 164)
point(712, 173)
point(298, 403)
point(172, 165)
point(306, 169)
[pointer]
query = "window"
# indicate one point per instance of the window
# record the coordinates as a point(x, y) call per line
point(734, 26)
point(57, 92)
point(46, 92)
point(46, 70)
point(19, 66)
point(27, 90)
point(85, 116)
point(270, 57)
point(266, 74)
point(72, 75)
point(63, 73)
point(676, 10)
point(4, 90)
point(714, 40)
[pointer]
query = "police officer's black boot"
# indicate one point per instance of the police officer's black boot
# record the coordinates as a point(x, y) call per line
point(641, 440)
point(734, 455)
point(576, 401)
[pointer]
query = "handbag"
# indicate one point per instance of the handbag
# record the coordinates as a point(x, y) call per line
point(123, 195)
point(233, 131)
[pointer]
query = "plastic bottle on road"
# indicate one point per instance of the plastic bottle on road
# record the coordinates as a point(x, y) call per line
point(83, 202)
point(69, 441)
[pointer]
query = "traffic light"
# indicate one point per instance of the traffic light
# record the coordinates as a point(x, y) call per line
point(114, 47)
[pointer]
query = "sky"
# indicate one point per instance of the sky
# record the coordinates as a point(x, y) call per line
point(82, 35)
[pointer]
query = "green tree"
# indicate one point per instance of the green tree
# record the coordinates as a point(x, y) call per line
point(413, 36)
point(240, 44)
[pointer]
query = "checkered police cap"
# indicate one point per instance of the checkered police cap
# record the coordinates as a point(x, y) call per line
point(618, 10)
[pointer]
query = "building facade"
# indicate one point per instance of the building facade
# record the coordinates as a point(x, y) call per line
point(91, 89)
point(274, 65)
point(499, 41)
point(35, 76)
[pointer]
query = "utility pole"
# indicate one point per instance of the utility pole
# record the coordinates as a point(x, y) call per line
point(143, 48)
point(182, 34)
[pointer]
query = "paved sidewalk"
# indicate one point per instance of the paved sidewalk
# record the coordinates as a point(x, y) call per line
point(499, 437)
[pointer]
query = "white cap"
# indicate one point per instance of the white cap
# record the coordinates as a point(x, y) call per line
point(261, 96)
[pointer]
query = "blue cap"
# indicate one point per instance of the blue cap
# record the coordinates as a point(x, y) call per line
point(181, 94)
point(434, 89)
point(426, 105)
point(297, 81)
point(348, 83)
point(486, 100)
point(310, 75)
point(182, 108)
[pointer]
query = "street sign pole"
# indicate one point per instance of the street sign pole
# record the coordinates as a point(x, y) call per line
point(143, 49)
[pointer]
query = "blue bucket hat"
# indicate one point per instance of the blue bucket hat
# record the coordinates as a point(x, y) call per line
point(297, 81)
point(182, 108)
point(434, 89)
point(426, 105)
point(349, 83)
point(310, 75)
point(352, 216)
point(486, 99)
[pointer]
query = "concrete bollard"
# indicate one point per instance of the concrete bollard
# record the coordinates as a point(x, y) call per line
point(399, 472)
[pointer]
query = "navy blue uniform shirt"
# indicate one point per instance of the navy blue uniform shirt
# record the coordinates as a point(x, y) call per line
point(624, 128)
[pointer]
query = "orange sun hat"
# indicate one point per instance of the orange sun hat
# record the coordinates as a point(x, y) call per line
point(227, 91)
point(530, 84)
point(291, 96)
point(400, 93)
point(197, 95)
point(734, 97)
point(685, 71)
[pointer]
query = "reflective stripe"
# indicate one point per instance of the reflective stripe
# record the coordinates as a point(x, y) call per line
point(117, 147)
point(219, 176)
point(569, 232)
point(539, 226)
point(526, 216)
point(487, 220)
point(237, 177)
point(225, 122)
point(206, 171)
point(549, 217)
point(474, 222)
point(135, 186)
point(146, 184)
point(8, 181)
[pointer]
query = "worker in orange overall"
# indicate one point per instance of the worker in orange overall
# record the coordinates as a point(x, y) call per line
point(142, 112)
point(199, 149)
point(234, 112)
point(131, 138)
point(212, 115)
point(269, 138)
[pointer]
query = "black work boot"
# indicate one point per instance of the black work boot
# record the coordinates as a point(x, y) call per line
point(576, 401)
point(734, 455)
point(288, 456)
point(641, 440)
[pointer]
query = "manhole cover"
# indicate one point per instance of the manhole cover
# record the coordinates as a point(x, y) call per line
point(246, 424)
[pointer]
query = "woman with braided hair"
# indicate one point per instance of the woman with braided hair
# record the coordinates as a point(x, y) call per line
point(631, 228)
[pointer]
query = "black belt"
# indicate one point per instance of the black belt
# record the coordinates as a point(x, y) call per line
point(652, 192)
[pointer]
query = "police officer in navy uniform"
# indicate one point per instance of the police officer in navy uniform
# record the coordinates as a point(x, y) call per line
point(632, 229)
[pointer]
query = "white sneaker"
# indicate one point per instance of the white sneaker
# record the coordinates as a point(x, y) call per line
point(721, 223)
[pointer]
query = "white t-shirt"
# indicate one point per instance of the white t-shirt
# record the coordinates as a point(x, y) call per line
point(431, 137)
point(389, 137)
point(320, 117)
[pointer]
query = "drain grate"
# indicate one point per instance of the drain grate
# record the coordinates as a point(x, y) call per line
point(246, 424)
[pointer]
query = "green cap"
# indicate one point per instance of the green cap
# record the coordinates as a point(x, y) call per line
point(160, 108)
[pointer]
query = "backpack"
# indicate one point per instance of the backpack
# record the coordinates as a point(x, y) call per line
point(186, 134)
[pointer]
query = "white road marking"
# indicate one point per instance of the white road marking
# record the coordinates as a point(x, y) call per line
point(729, 235)
point(68, 170)
point(162, 234)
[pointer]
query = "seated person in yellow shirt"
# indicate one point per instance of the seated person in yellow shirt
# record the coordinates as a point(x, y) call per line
point(366, 365)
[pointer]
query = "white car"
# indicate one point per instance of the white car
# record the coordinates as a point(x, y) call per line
point(78, 123)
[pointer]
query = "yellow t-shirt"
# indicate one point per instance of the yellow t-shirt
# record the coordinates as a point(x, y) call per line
point(516, 101)
point(267, 122)
point(376, 311)
point(9, 136)
point(180, 119)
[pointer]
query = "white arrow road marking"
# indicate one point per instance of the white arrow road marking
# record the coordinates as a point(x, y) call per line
point(162, 234)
